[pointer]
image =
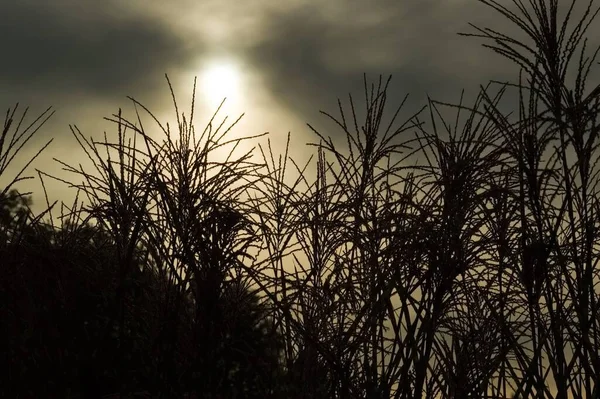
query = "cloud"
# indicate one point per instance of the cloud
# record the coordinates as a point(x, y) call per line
point(98, 49)
point(319, 53)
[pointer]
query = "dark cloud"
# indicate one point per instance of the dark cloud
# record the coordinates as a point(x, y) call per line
point(66, 48)
point(310, 58)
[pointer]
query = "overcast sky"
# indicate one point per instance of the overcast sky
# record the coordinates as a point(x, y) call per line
point(289, 59)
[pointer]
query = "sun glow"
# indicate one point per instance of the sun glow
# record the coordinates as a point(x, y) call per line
point(221, 80)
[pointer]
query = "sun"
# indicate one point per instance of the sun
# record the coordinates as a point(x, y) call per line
point(219, 80)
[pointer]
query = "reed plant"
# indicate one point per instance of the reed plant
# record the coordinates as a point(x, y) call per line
point(424, 257)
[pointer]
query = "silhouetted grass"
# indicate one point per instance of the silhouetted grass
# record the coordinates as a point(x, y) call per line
point(423, 258)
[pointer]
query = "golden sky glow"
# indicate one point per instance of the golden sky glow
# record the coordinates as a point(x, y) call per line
point(219, 79)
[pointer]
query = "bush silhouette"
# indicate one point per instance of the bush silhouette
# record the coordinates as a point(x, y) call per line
point(59, 290)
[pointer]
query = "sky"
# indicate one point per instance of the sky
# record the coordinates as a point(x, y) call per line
point(282, 61)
